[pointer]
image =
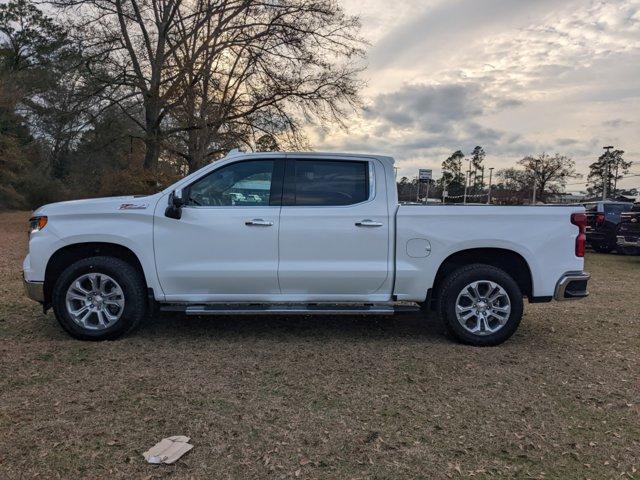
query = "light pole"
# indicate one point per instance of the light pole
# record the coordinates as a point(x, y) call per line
point(535, 177)
point(489, 192)
point(606, 171)
point(467, 180)
point(533, 201)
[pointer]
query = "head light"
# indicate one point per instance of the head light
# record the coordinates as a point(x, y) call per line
point(37, 223)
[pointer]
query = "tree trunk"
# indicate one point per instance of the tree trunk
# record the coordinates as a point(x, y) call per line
point(192, 150)
point(152, 152)
point(57, 162)
point(152, 137)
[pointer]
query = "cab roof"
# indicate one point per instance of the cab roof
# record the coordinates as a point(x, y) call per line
point(330, 155)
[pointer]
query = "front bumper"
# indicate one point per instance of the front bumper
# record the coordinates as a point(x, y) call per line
point(572, 286)
point(623, 242)
point(34, 290)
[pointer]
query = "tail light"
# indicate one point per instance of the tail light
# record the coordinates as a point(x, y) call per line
point(599, 218)
point(580, 220)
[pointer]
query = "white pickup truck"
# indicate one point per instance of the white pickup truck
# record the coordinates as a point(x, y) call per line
point(299, 233)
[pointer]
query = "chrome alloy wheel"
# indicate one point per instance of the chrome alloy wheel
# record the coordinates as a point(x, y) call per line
point(483, 307)
point(95, 301)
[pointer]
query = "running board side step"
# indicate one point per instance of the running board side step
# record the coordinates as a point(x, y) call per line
point(223, 309)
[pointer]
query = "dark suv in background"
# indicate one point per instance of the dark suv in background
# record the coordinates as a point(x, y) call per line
point(602, 222)
point(629, 231)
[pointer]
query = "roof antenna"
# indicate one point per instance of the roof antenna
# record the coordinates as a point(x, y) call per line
point(234, 151)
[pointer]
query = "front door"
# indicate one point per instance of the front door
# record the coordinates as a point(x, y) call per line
point(334, 230)
point(225, 246)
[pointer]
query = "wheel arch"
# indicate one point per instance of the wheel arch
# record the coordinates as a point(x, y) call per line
point(65, 256)
point(510, 261)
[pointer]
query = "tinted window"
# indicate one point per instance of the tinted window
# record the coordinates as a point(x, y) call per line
point(326, 182)
point(617, 208)
point(242, 183)
point(591, 207)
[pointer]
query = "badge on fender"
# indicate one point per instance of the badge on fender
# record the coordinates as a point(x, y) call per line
point(133, 206)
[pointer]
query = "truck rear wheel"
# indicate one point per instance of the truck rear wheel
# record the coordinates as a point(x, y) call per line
point(99, 298)
point(480, 305)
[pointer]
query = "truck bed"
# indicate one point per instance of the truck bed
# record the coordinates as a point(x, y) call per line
point(428, 234)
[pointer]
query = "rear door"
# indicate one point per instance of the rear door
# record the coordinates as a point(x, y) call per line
point(334, 229)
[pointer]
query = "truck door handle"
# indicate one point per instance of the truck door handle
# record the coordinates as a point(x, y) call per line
point(258, 222)
point(368, 223)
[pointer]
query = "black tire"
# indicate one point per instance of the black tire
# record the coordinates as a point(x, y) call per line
point(133, 288)
point(602, 247)
point(453, 285)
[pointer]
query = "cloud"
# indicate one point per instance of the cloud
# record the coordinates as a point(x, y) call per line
point(421, 124)
point(515, 76)
point(444, 25)
point(567, 141)
point(441, 110)
point(617, 123)
point(428, 106)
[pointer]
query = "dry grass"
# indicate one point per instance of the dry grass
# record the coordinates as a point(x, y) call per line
point(325, 398)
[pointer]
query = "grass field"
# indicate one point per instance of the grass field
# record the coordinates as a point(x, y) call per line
point(304, 397)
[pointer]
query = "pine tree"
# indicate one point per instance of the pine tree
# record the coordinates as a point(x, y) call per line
point(452, 178)
point(477, 157)
point(609, 168)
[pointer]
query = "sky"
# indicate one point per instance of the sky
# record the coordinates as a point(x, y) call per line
point(518, 77)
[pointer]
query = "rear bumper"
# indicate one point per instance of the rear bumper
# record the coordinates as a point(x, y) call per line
point(572, 286)
point(34, 290)
point(623, 242)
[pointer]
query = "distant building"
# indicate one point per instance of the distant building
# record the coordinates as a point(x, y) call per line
point(567, 198)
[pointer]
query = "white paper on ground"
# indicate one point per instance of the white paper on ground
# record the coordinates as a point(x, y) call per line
point(168, 450)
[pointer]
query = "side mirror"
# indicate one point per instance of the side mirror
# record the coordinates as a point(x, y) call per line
point(176, 202)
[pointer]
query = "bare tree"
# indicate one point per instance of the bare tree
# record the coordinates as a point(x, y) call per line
point(214, 73)
point(513, 186)
point(548, 174)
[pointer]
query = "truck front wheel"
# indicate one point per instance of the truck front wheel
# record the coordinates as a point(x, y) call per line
point(480, 304)
point(99, 298)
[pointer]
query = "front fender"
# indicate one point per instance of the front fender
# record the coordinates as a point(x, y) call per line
point(132, 230)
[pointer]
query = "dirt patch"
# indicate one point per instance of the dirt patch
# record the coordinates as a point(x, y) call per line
point(306, 397)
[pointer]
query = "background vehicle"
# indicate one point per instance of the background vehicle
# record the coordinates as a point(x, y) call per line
point(602, 221)
point(628, 232)
point(327, 237)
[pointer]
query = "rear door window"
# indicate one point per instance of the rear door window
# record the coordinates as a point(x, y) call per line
point(616, 208)
point(328, 183)
point(612, 211)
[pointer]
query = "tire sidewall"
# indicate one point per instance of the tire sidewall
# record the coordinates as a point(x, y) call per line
point(464, 277)
point(132, 288)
